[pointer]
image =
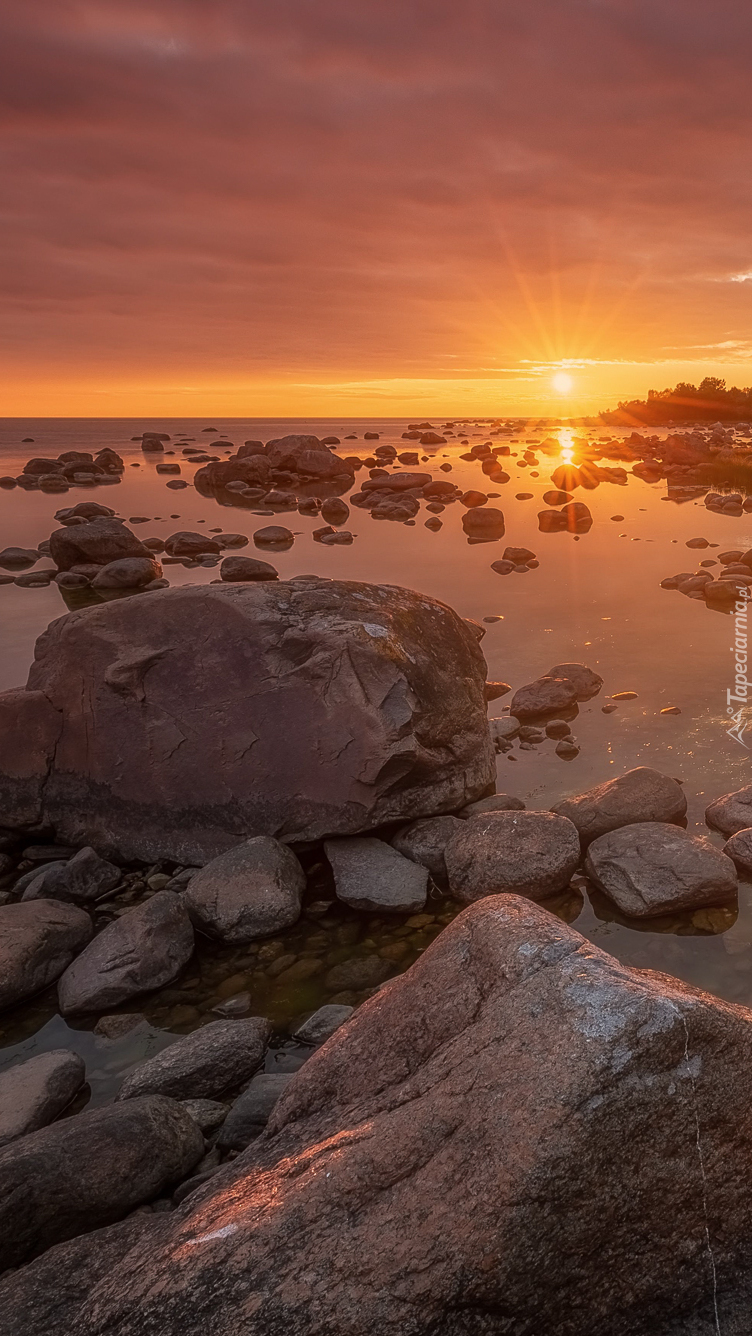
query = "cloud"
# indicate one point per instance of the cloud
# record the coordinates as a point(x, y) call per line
point(350, 189)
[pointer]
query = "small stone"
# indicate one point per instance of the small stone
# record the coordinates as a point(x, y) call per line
point(495, 690)
point(118, 1024)
point(322, 1024)
point(208, 1113)
point(624, 695)
point(585, 682)
point(425, 840)
point(505, 729)
point(567, 750)
point(671, 709)
point(252, 891)
point(33, 1093)
point(250, 1113)
point(731, 813)
point(557, 728)
point(236, 569)
point(204, 1064)
point(371, 875)
point(274, 535)
point(544, 696)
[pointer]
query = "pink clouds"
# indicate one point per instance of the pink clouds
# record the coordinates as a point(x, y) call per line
point(338, 189)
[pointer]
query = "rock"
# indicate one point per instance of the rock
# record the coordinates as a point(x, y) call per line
point(514, 1053)
point(99, 540)
point(497, 802)
point(84, 878)
point(67, 580)
point(557, 728)
point(521, 853)
point(208, 1113)
point(145, 741)
point(226, 540)
point(654, 868)
point(424, 842)
point(357, 973)
point(547, 695)
point(38, 941)
point(371, 875)
point(323, 1024)
point(86, 510)
point(484, 523)
point(14, 558)
point(235, 569)
point(519, 556)
point(503, 730)
point(252, 891)
point(188, 544)
point(34, 579)
point(306, 455)
point(203, 1065)
point(732, 812)
point(739, 848)
point(34, 1092)
point(143, 950)
point(585, 682)
point(128, 573)
point(274, 535)
point(120, 1023)
point(636, 796)
point(334, 510)
point(567, 749)
point(90, 1170)
point(557, 498)
point(250, 1113)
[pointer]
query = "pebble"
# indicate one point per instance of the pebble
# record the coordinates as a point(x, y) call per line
point(624, 695)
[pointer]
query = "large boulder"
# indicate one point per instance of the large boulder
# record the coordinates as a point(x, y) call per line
point(143, 950)
point(90, 1170)
point(638, 795)
point(524, 853)
point(255, 472)
point(34, 1092)
point(519, 1135)
point(652, 868)
point(304, 708)
point(99, 540)
point(38, 941)
point(253, 890)
point(203, 1065)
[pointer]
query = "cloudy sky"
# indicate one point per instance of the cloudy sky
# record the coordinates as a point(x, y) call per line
point(381, 206)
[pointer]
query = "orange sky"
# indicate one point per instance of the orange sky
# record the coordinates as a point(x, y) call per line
point(372, 206)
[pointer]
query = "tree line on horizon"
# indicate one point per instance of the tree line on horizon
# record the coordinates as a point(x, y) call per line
point(709, 401)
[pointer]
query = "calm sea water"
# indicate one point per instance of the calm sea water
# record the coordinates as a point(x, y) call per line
point(596, 599)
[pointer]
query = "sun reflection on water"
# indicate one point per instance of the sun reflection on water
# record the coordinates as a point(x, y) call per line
point(566, 441)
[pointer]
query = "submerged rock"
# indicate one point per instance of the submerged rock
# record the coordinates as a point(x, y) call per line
point(203, 1065)
point(522, 853)
point(305, 708)
point(517, 1099)
point(322, 1024)
point(638, 795)
point(653, 868)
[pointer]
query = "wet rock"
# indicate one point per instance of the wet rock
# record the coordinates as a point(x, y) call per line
point(485, 523)
point(306, 455)
point(14, 558)
point(503, 730)
point(495, 690)
point(34, 579)
point(250, 1113)
point(739, 849)
point(557, 728)
point(511, 1046)
point(323, 1024)
point(497, 802)
point(143, 740)
point(340, 539)
point(38, 941)
point(67, 580)
point(546, 695)
point(252, 891)
point(424, 842)
point(90, 1170)
point(143, 950)
point(371, 875)
point(33, 1093)
point(652, 868)
point(502, 567)
point(567, 749)
point(557, 498)
point(275, 536)
point(585, 682)
point(128, 573)
point(638, 795)
point(100, 540)
point(188, 544)
point(82, 879)
point(203, 1065)
point(120, 1023)
point(357, 973)
point(520, 853)
point(518, 555)
point(334, 510)
point(732, 812)
point(207, 1113)
point(235, 569)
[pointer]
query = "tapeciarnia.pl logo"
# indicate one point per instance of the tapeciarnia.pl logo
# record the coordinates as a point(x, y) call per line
point(739, 695)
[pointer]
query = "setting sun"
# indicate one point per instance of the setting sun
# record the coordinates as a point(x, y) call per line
point(562, 383)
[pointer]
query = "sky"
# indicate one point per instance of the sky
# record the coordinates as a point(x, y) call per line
point(309, 207)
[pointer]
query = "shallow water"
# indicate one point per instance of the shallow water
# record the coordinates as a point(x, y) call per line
point(595, 599)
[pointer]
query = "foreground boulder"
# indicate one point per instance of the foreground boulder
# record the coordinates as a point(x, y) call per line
point(90, 1170)
point(203, 1065)
point(638, 795)
point(38, 941)
point(34, 1092)
point(305, 708)
point(524, 853)
point(519, 1135)
point(143, 950)
point(652, 868)
point(252, 891)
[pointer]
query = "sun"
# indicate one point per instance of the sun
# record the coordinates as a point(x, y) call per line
point(562, 383)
